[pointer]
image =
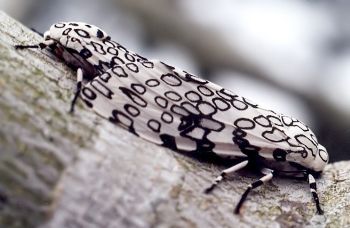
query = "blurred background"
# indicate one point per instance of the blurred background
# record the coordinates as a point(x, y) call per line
point(287, 55)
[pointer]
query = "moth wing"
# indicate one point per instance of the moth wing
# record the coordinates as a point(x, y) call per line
point(176, 109)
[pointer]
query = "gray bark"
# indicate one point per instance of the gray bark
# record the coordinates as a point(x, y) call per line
point(62, 170)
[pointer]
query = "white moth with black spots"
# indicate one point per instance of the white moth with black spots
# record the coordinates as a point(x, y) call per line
point(178, 110)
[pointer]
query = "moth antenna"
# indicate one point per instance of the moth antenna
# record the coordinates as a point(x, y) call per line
point(36, 31)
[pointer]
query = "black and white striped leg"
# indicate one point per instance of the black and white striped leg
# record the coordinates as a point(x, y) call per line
point(313, 189)
point(42, 45)
point(78, 89)
point(253, 185)
point(225, 172)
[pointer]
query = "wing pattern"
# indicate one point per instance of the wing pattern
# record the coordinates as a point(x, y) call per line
point(176, 109)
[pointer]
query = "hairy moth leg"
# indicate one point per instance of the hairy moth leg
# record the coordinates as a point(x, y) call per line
point(42, 45)
point(254, 185)
point(313, 190)
point(78, 89)
point(224, 173)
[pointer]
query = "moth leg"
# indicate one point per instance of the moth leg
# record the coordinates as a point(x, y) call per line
point(41, 45)
point(253, 185)
point(78, 89)
point(224, 173)
point(313, 190)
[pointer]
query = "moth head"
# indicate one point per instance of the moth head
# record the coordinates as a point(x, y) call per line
point(78, 30)
point(65, 41)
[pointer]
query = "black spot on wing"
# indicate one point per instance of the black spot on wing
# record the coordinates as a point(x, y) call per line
point(89, 93)
point(306, 142)
point(98, 47)
point(105, 77)
point(82, 33)
point(119, 71)
point(179, 110)
point(250, 103)
point(109, 43)
point(139, 88)
point(85, 53)
point(205, 91)
point(147, 64)
point(132, 110)
point(244, 145)
point(171, 79)
point(205, 108)
point(123, 120)
point(101, 88)
point(122, 48)
point(190, 107)
point(112, 51)
point(275, 135)
point(195, 79)
point(152, 82)
point(161, 102)
point(239, 105)
point(129, 57)
point(99, 34)
point(168, 141)
point(134, 96)
point(88, 96)
point(172, 95)
point(168, 66)
point(102, 66)
point(132, 67)
point(66, 31)
point(262, 121)
point(154, 125)
point(59, 25)
point(220, 104)
point(73, 39)
point(244, 123)
point(193, 96)
point(167, 117)
point(117, 61)
point(275, 120)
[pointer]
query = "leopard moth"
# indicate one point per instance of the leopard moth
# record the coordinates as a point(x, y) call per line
point(173, 108)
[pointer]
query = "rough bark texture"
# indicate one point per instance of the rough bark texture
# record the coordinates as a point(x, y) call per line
point(61, 170)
